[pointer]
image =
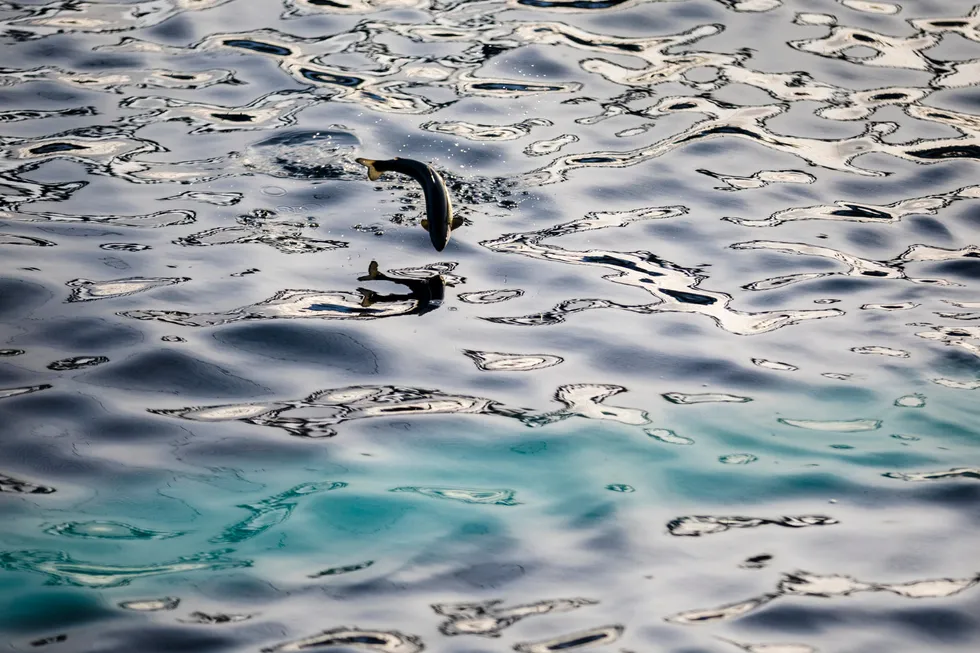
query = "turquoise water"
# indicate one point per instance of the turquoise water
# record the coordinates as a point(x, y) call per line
point(699, 373)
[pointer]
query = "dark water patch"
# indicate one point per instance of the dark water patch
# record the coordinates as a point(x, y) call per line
point(960, 497)
point(594, 516)
point(81, 333)
point(929, 227)
point(971, 216)
point(53, 610)
point(14, 376)
point(358, 515)
point(174, 372)
point(163, 639)
point(718, 372)
point(843, 286)
point(56, 405)
point(537, 63)
point(491, 575)
point(801, 619)
point(19, 298)
point(702, 485)
point(849, 394)
point(868, 238)
point(108, 63)
point(952, 360)
point(967, 270)
point(119, 428)
point(179, 30)
point(248, 453)
point(318, 346)
point(245, 589)
point(932, 624)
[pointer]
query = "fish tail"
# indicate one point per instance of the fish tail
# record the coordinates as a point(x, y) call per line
point(372, 274)
point(373, 173)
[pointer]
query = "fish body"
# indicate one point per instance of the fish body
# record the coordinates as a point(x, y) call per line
point(438, 208)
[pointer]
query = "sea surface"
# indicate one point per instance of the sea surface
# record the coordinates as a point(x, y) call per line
point(699, 373)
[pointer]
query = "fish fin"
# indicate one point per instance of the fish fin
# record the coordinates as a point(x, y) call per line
point(425, 224)
point(372, 272)
point(368, 297)
point(373, 173)
point(458, 222)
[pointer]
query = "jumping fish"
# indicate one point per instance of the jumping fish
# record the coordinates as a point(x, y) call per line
point(439, 221)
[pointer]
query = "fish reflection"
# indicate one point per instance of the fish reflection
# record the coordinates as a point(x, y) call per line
point(323, 410)
point(427, 292)
point(379, 641)
point(802, 583)
point(488, 618)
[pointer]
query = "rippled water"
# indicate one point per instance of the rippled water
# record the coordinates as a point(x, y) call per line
point(699, 374)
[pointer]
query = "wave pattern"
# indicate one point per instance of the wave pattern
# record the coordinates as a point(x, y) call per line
point(747, 230)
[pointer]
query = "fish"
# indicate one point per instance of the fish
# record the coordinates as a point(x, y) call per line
point(439, 221)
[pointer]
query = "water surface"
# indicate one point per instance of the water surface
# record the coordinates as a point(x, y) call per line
point(700, 373)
